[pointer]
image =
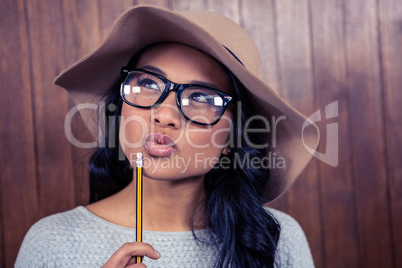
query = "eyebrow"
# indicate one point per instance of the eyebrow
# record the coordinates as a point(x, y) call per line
point(153, 69)
point(162, 73)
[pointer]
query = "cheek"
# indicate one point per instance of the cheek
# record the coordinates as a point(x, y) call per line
point(222, 132)
point(213, 138)
point(133, 128)
point(205, 149)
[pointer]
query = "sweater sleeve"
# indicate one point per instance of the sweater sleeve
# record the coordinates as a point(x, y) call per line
point(32, 248)
point(68, 239)
point(293, 249)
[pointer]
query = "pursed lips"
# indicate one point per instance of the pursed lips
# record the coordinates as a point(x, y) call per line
point(159, 145)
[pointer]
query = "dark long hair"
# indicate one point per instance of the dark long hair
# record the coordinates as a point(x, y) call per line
point(246, 233)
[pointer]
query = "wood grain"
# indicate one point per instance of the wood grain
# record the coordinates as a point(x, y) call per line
point(262, 28)
point(230, 9)
point(82, 35)
point(161, 3)
point(337, 191)
point(179, 5)
point(19, 197)
point(390, 25)
point(368, 141)
point(296, 85)
point(109, 12)
point(50, 104)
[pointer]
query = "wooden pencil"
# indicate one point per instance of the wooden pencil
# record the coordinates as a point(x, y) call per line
point(139, 203)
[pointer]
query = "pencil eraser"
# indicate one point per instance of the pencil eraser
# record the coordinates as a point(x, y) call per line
point(139, 160)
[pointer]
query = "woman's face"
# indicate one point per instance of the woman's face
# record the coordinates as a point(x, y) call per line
point(172, 147)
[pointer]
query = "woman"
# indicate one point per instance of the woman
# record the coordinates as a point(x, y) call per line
point(204, 147)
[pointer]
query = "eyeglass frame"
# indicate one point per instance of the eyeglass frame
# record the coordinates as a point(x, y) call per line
point(171, 86)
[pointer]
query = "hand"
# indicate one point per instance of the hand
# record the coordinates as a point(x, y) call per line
point(126, 255)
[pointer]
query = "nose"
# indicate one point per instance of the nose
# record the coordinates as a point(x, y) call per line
point(167, 114)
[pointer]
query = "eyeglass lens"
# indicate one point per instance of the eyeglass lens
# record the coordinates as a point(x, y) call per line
point(197, 103)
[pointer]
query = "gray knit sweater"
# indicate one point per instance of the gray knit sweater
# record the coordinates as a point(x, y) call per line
point(78, 238)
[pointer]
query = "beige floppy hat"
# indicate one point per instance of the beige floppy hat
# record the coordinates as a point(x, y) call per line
point(88, 79)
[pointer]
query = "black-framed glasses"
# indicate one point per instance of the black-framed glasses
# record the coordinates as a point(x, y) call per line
point(199, 104)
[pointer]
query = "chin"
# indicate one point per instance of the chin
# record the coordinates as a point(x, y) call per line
point(172, 175)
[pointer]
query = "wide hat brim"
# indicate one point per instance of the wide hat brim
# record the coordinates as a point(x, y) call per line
point(91, 77)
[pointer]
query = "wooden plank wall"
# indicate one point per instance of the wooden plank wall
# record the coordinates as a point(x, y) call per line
point(315, 52)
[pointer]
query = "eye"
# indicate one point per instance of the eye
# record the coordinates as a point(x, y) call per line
point(201, 97)
point(148, 82)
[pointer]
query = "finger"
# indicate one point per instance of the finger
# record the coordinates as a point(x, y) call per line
point(137, 265)
point(139, 249)
point(123, 255)
point(133, 260)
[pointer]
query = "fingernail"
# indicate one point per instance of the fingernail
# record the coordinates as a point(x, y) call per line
point(157, 253)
